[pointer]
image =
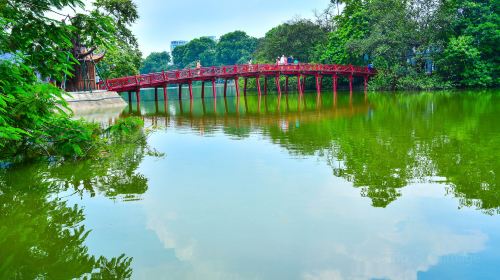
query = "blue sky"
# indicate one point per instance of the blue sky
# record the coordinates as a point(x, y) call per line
point(164, 21)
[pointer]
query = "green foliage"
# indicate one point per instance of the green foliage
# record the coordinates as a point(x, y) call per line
point(232, 48)
point(155, 62)
point(235, 48)
point(202, 49)
point(120, 61)
point(298, 38)
point(351, 25)
point(32, 121)
point(123, 57)
point(125, 127)
point(461, 62)
point(401, 38)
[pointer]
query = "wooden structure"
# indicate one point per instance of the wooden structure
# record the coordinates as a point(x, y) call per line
point(235, 72)
point(85, 73)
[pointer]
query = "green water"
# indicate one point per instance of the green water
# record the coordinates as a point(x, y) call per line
point(382, 186)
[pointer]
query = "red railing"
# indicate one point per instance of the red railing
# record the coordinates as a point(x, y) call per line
point(215, 72)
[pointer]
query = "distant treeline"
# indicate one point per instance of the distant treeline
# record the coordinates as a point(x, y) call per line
point(415, 44)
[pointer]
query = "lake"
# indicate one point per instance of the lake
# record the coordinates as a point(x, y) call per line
point(368, 186)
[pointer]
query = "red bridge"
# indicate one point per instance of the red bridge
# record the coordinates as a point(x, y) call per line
point(187, 76)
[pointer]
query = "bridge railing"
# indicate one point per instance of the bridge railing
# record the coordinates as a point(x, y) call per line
point(162, 78)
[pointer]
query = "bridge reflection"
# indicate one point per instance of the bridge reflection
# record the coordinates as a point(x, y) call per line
point(251, 110)
point(380, 143)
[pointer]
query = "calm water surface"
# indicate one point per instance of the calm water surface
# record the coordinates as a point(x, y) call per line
point(383, 186)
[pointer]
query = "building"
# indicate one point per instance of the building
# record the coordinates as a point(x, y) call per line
point(214, 38)
point(85, 76)
point(175, 44)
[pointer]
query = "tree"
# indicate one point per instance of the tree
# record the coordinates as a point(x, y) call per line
point(155, 62)
point(123, 58)
point(32, 123)
point(470, 56)
point(352, 24)
point(202, 49)
point(235, 48)
point(298, 38)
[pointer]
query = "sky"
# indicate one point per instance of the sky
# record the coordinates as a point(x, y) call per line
point(163, 21)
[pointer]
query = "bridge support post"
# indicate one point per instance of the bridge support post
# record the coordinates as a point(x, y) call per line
point(165, 96)
point(203, 89)
point(303, 83)
point(225, 87)
point(138, 95)
point(237, 86)
point(265, 85)
point(286, 84)
point(257, 79)
point(129, 97)
point(299, 85)
point(351, 78)
point(335, 81)
point(278, 86)
point(214, 90)
point(245, 87)
point(190, 84)
point(318, 85)
point(180, 91)
point(156, 94)
point(366, 84)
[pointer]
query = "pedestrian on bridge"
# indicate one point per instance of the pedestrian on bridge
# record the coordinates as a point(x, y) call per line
point(283, 60)
point(198, 66)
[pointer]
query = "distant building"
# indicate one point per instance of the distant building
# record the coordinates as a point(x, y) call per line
point(175, 44)
point(214, 38)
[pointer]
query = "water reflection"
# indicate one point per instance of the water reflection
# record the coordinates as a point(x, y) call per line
point(271, 187)
point(379, 142)
point(42, 235)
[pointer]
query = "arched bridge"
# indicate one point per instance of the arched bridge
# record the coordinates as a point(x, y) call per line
point(235, 72)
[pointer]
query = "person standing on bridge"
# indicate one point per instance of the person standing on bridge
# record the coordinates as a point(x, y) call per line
point(198, 67)
point(290, 60)
point(283, 60)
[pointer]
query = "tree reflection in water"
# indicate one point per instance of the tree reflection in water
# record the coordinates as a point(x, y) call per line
point(380, 142)
point(42, 236)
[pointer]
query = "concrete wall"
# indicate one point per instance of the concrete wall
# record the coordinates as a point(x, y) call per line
point(86, 101)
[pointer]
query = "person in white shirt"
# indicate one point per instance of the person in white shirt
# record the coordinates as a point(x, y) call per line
point(283, 60)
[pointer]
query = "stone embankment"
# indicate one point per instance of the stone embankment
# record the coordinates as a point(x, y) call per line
point(98, 106)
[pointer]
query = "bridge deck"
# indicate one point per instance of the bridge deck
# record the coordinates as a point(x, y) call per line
point(187, 76)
